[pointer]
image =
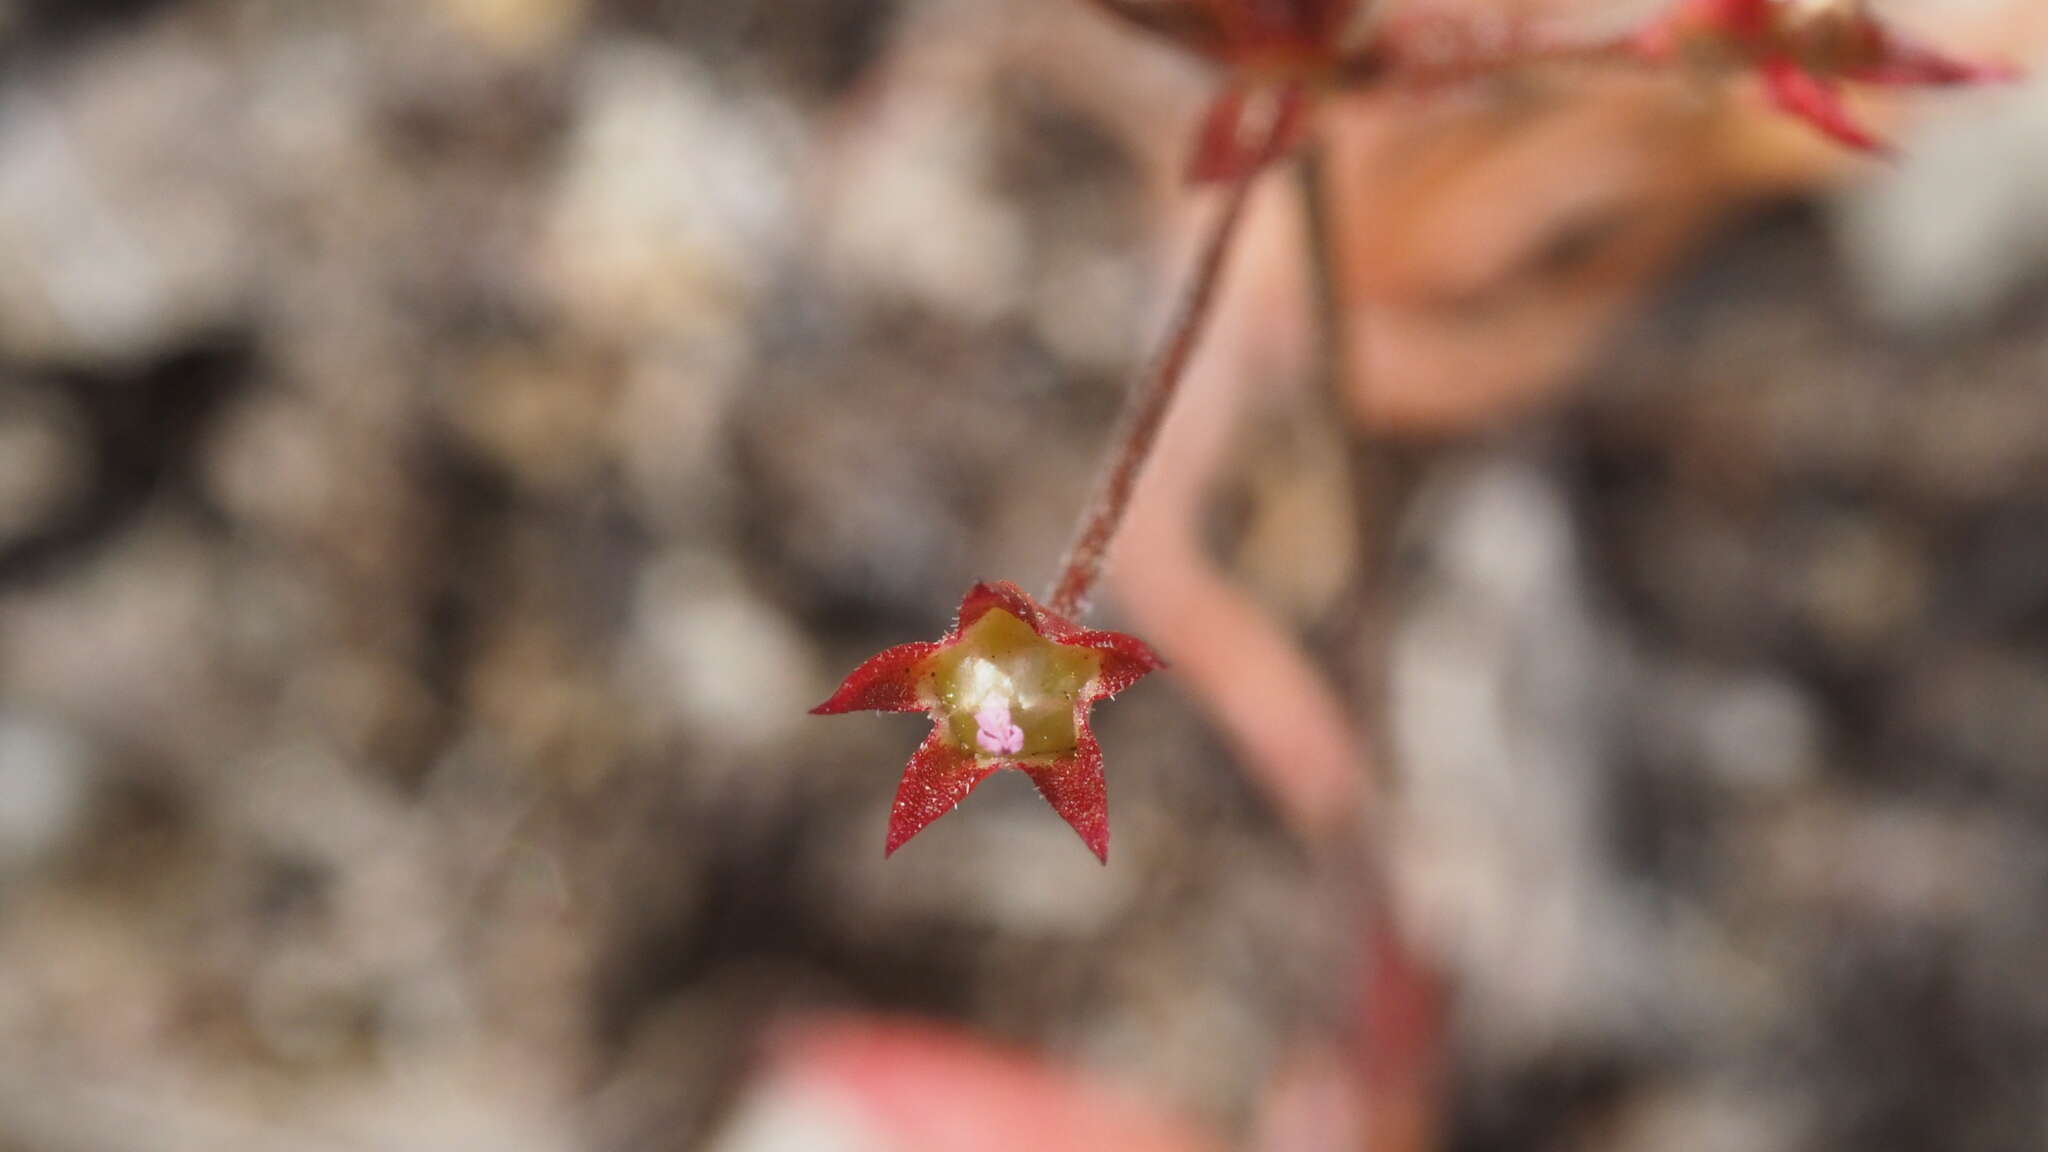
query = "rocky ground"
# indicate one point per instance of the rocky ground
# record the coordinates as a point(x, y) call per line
point(445, 447)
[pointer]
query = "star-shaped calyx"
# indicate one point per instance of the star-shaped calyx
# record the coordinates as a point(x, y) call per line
point(1009, 687)
point(1804, 50)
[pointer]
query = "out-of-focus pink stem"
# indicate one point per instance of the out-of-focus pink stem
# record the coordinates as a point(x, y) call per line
point(1262, 690)
point(1150, 400)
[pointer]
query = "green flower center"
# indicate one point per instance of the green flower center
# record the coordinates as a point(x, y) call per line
point(999, 662)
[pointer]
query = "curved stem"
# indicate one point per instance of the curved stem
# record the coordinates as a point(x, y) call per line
point(1145, 411)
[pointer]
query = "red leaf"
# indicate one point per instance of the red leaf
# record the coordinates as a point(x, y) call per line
point(939, 777)
point(886, 683)
point(1801, 94)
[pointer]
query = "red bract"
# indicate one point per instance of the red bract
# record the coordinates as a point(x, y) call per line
point(1804, 50)
point(1278, 54)
point(1009, 687)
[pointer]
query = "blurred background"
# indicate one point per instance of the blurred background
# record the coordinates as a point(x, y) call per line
point(446, 445)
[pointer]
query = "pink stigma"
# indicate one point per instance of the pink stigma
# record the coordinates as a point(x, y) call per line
point(998, 737)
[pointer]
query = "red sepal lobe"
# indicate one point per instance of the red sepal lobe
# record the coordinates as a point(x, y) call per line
point(1125, 660)
point(1073, 784)
point(938, 778)
point(885, 683)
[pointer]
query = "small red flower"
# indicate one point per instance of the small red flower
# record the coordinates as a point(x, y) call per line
point(1803, 50)
point(1009, 687)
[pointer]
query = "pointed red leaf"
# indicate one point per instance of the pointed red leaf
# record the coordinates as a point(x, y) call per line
point(1125, 659)
point(886, 683)
point(937, 779)
point(1074, 786)
point(1816, 101)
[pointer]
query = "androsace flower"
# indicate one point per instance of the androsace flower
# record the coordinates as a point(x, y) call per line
point(1804, 50)
point(1010, 686)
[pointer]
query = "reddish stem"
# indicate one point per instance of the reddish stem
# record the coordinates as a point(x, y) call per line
point(1145, 411)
